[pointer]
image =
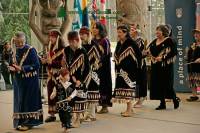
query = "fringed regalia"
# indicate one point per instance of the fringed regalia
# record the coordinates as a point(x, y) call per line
point(127, 63)
point(162, 74)
point(93, 94)
point(78, 64)
point(64, 107)
point(27, 96)
point(56, 55)
point(105, 88)
point(142, 79)
point(193, 68)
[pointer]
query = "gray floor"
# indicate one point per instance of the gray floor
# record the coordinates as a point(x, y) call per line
point(146, 120)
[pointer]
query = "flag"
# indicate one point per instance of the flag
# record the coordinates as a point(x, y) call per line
point(62, 12)
point(94, 9)
point(85, 19)
point(94, 14)
point(77, 22)
point(103, 10)
point(197, 15)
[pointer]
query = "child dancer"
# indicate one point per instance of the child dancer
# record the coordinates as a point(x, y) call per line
point(65, 93)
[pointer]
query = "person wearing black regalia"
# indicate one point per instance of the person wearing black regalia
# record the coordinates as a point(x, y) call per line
point(127, 59)
point(99, 37)
point(193, 60)
point(53, 62)
point(163, 53)
point(77, 62)
point(65, 93)
point(93, 94)
point(142, 77)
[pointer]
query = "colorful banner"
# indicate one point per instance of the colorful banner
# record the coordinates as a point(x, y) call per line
point(77, 22)
point(62, 12)
point(102, 12)
point(197, 15)
point(180, 14)
point(94, 10)
point(85, 19)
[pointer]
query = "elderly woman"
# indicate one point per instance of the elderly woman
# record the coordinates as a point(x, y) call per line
point(27, 97)
point(163, 52)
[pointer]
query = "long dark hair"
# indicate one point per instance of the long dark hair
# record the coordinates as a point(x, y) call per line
point(102, 29)
point(125, 29)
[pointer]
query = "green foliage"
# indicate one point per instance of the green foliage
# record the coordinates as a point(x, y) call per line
point(15, 13)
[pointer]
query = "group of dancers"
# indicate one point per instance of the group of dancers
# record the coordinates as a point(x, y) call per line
point(79, 74)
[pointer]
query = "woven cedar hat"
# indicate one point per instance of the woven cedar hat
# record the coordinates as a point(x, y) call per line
point(54, 32)
point(84, 30)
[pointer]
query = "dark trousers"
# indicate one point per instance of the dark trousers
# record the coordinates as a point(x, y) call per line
point(6, 76)
point(65, 118)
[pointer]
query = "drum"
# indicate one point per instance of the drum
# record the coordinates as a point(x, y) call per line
point(93, 96)
point(79, 106)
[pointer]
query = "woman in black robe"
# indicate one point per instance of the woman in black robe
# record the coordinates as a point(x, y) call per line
point(127, 67)
point(53, 62)
point(163, 52)
point(142, 77)
point(194, 66)
point(77, 62)
point(99, 33)
point(93, 94)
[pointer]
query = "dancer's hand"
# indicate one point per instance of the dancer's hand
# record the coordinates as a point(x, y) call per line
point(17, 68)
point(78, 83)
point(53, 94)
point(43, 60)
point(146, 53)
point(68, 98)
point(49, 61)
point(158, 58)
point(197, 60)
point(11, 68)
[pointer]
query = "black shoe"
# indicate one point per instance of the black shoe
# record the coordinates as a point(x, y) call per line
point(176, 102)
point(50, 119)
point(161, 107)
point(192, 99)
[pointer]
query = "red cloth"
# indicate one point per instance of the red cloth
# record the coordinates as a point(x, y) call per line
point(103, 1)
